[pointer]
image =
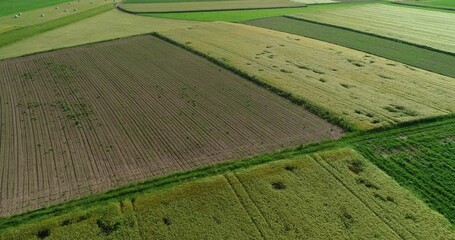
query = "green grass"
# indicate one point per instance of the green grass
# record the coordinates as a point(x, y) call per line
point(331, 194)
point(15, 6)
point(419, 57)
point(246, 15)
point(422, 161)
point(440, 3)
point(29, 31)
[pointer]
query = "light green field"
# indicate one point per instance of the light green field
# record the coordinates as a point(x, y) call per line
point(246, 15)
point(8, 7)
point(355, 89)
point(208, 6)
point(110, 25)
point(433, 29)
point(329, 195)
point(33, 17)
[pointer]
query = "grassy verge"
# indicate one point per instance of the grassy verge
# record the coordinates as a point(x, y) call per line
point(438, 5)
point(398, 51)
point(29, 31)
point(246, 15)
point(133, 190)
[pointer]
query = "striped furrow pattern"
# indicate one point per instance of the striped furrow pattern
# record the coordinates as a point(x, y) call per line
point(83, 120)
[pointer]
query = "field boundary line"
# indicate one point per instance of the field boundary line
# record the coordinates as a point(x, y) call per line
point(319, 111)
point(122, 9)
point(371, 34)
point(239, 198)
point(317, 159)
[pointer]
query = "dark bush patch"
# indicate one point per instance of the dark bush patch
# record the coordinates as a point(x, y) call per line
point(290, 168)
point(356, 166)
point(44, 233)
point(167, 221)
point(347, 220)
point(107, 228)
point(278, 185)
point(66, 222)
point(367, 183)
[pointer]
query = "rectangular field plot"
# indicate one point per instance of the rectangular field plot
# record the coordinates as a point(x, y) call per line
point(207, 6)
point(363, 90)
point(421, 160)
point(328, 195)
point(423, 27)
point(427, 59)
point(86, 119)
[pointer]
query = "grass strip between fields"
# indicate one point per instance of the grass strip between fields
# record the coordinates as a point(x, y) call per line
point(423, 58)
point(29, 31)
point(133, 190)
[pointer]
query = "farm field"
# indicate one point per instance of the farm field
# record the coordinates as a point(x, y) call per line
point(33, 17)
point(84, 120)
point(25, 32)
point(245, 15)
point(93, 29)
point(207, 6)
point(414, 56)
point(428, 28)
point(12, 7)
point(450, 4)
point(340, 83)
point(421, 161)
point(335, 188)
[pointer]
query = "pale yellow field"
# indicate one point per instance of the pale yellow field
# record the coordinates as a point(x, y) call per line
point(424, 27)
point(33, 17)
point(365, 91)
point(202, 6)
point(106, 26)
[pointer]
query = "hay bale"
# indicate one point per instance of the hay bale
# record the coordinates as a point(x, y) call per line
point(42, 14)
point(16, 16)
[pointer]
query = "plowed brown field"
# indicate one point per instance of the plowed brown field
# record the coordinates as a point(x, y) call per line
point(87, 119)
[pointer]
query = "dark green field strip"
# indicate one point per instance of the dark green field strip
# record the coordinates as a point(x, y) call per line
point(433, 61)
point(423, 127)
point(16, 6)
point(420, 5)
point(422, 161)
point(29, 31)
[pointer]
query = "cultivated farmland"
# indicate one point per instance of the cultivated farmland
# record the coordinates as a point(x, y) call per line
point(94, 29)
point(83, 120)
point(207, 6)
point(34, 17)
point(433, 61)
point(422, 160)
point(360, 90)
point(433, 29)
point(325, 195)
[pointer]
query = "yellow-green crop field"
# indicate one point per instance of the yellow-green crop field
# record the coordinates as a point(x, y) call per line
point(363, 90)
point(327, 195)
point(422, 27)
